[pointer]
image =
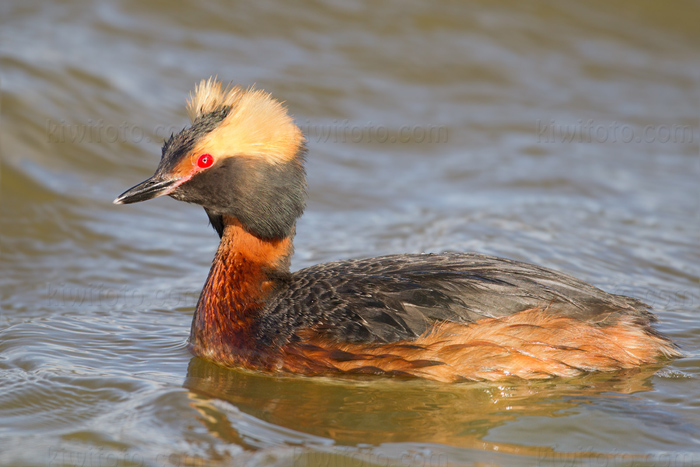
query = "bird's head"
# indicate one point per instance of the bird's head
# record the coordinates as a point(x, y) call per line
point(242, 157)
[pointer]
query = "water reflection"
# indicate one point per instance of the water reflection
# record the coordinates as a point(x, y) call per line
point(351, 412)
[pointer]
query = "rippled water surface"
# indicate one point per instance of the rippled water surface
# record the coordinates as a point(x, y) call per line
point(561, 133)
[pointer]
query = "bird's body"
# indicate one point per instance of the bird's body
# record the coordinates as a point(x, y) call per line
point(447, 317)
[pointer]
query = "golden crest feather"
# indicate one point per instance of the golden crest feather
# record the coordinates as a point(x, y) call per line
point(209, 96)
point(256, 124)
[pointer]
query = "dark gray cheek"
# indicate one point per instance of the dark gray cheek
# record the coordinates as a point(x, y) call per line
point(188, 194)
point(178, 195)
point(216, 189)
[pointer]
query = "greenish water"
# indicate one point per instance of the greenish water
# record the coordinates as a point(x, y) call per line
point(560, 133)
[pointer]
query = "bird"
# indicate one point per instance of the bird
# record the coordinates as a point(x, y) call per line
point(447, 317)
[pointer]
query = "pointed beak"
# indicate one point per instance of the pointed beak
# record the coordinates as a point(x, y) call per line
point(152, 188)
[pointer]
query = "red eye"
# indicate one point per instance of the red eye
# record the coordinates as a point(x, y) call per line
point(205, 160)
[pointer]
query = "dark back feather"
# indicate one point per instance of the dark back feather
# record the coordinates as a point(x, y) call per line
point(400, 297)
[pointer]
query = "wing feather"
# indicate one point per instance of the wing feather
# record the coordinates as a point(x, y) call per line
point(400, 297)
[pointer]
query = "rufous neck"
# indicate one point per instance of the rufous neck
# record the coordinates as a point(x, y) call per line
point(243, 248)
point(245, 271)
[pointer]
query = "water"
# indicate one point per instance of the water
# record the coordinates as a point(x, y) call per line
point(564, 134)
